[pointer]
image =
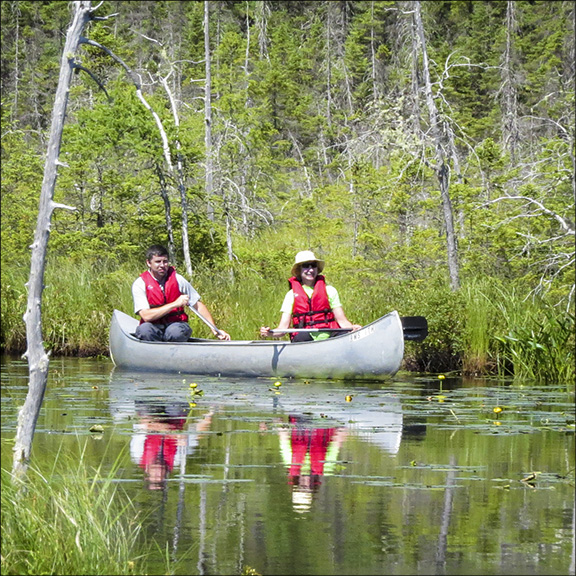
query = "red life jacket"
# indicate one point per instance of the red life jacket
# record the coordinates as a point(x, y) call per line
point(312, 312)
point(156, 297)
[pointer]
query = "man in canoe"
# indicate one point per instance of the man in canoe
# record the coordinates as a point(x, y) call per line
point(310, 303)
point(160, 295)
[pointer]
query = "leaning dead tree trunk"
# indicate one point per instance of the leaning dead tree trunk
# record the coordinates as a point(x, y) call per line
point(442, 169)
point(165, 148)
point(180, 178)
point(36, 355)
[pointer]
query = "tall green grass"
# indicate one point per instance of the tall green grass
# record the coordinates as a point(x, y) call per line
point(77, 303)
point(511, 334)
point(70, 521)
point(538, 341)
point(478, 330)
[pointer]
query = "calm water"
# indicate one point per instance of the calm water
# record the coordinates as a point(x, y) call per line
point(411, 476)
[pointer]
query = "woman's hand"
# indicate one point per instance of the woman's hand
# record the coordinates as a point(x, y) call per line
point(265, 332)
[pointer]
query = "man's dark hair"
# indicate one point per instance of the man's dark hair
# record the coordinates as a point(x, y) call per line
point(156, 250)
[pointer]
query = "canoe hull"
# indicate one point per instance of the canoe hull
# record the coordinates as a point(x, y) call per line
point(375, 352)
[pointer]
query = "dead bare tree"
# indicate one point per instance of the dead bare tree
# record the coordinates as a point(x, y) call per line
point(174, 174)
point(441, 165)
point(38, 358)
point(555, 262)
point(180, 178)
point(509, 91)
point(208, 112)
point(167, 210)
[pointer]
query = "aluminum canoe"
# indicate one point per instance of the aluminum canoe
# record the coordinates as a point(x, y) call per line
point(374, 352)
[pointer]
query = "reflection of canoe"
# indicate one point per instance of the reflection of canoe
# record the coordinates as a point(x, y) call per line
point(374, 416)
point(371, 353)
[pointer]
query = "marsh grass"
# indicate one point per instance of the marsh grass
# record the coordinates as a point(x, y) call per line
point(73, 520)
point(478, 330)
point(538, 341)
point(77, 305)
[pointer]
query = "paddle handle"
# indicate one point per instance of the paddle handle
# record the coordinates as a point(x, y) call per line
point(308, 330)
point(414, 328)
point(205, 320)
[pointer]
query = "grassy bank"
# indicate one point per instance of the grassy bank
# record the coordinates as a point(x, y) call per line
point(80, 524)
point(486, 328)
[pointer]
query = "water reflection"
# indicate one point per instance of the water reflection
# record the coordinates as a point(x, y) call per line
point(162, 439)
point(421, 479)
point(312, 425)
point(309, 452)
point(311, 442)
point(164, 434)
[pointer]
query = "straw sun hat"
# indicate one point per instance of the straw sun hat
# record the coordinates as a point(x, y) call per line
point(306, 256)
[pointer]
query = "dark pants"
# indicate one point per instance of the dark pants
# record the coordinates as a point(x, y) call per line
point(174, 332)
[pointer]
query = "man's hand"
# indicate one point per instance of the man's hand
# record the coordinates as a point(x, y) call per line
point(181, 301)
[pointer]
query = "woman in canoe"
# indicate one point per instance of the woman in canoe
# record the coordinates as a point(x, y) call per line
point(310, 303)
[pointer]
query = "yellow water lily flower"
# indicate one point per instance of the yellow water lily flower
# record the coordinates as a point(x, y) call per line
point(497, 410)
point(441, 377)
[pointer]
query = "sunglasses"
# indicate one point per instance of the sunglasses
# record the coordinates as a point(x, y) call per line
point(309, 265)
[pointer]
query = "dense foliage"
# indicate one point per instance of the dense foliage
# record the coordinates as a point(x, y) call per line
point(321, 137)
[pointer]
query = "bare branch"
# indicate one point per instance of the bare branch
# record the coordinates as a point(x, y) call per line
point(100, 85)
point(563, 223)
point(147, 37)
point(63, 206)
point(131, 74)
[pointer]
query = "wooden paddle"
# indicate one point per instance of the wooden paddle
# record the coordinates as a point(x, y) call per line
point(415, 328)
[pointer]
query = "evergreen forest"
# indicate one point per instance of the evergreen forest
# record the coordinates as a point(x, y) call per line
point(425, 150)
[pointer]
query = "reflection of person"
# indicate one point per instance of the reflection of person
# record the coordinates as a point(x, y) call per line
point(309, 453)
point(310, 302)
point(160, 295)
point(162, 440)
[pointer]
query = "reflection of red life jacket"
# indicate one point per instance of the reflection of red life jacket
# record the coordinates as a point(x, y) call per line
point(161, 448)
point(156, 297)
point(314, 312)
point(313, 440)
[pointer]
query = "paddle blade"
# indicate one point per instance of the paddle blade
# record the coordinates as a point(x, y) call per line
point(415, 328)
